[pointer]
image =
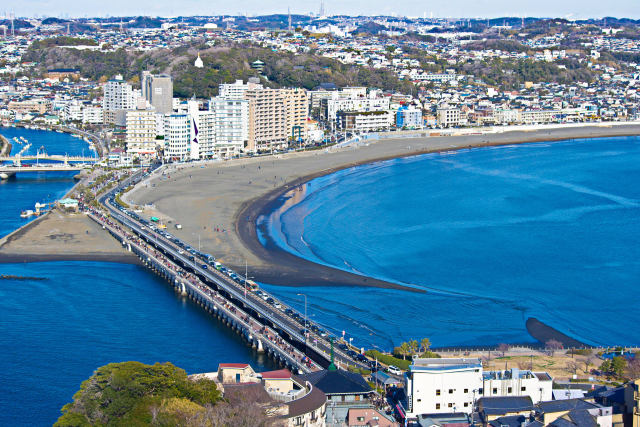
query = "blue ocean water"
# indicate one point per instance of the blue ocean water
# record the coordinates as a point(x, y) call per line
point(494, 236)
point(57, 331)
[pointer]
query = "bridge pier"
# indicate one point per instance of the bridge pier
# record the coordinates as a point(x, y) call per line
point(259, 347)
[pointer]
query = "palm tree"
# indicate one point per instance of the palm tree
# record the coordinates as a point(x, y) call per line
point(413, 347)
point(404, 350)
point(425, 343)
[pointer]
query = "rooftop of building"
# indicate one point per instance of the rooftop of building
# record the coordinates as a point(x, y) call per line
point(565, 405)
point(337, 382)
point(497, 405)
point(515, 374)
point(435, 364)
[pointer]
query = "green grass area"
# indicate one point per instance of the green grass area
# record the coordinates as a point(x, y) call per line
point(388, 359)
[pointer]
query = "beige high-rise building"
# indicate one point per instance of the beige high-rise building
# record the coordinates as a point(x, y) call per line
point(273, 116)
point(141, 133)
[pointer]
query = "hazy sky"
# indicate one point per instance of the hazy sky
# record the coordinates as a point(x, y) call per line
point(573, 9)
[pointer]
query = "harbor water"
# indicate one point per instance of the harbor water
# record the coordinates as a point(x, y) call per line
point(69, 318)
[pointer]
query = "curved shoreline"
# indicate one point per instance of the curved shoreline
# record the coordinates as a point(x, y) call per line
point(287, 269)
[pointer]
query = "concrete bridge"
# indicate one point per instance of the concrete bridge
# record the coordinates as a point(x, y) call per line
point(18, 158)
point(282, 326)
point(260, 337)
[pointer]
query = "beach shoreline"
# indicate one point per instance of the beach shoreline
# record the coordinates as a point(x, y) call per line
point(226, 198)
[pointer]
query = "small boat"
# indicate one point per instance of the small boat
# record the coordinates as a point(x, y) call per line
point(27, 213)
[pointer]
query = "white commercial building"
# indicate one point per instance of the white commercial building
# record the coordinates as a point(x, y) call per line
point(516, 382)
point(453, 385)
point(177, 136)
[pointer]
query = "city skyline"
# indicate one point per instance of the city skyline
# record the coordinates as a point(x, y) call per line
point(572, 9)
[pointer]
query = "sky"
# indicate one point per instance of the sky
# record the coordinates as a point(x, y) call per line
point(570, 9)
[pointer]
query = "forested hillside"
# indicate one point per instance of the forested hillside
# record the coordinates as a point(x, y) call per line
point(222, 64)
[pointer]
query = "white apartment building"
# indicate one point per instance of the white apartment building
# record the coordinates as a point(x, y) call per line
point(363, 122)
point(454, 385)
point(177, 136)
point(236, 90)
point(118, 95)
point(92, 115)
point(72, 112)
point(356, 103)
point(448, 116)
point(436, 386)
point(538, 116)
point(141, 133)
point(231, 125)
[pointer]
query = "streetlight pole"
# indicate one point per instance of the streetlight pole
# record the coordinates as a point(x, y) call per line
point(306, 331)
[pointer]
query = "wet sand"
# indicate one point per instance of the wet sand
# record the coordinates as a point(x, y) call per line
point(217, 203)
point(61, 236)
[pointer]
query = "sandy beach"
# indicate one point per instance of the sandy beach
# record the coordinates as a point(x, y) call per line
point(217, 203)
point(59, 236)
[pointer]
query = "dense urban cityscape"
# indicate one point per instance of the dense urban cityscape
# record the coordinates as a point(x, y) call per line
point(200, 146)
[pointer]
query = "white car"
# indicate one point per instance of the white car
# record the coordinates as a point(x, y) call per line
point(394, 370)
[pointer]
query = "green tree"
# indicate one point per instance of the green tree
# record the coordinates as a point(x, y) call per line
point(125, 393)
point(618, 365)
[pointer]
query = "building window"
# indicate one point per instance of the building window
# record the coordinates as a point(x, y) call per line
point(495, 390)
point(357, 397)
point(480, 391)
point(509, 390)
point(419, 400)
point(466, 404)
point(450, 405)
point(523, 389)
point(437, 406)
point(437, 392)
point(466, 390)
point(450, 391)
point(360, 418)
